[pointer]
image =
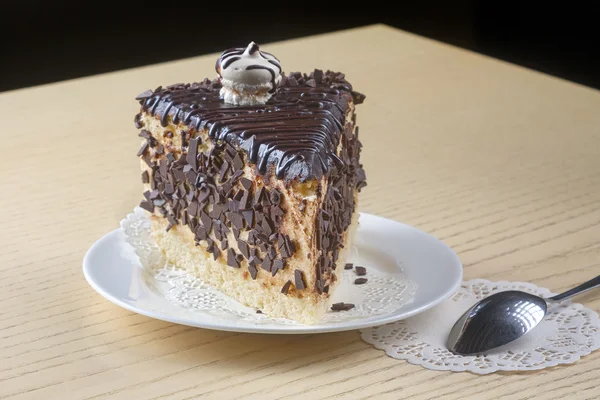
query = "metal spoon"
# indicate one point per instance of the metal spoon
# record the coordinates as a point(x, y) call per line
point(502, 318)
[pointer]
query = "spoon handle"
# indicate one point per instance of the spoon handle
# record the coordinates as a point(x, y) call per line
point(584, 287)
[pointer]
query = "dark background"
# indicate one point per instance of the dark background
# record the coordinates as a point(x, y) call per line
point(53, 40)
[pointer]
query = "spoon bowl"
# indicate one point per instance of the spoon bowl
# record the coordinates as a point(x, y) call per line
point(496, 320)
point(502, 318)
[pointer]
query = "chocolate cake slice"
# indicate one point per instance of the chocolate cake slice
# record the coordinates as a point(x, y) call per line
point(252, 180)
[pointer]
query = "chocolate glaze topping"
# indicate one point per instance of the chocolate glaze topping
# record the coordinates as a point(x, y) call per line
point(294, 135)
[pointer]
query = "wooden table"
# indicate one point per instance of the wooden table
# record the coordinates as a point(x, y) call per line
point(500, 162)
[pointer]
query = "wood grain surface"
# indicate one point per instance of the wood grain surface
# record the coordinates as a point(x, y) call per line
point(501, 163)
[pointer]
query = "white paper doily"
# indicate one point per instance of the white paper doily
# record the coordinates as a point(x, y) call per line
point(383, 294)
point(568, 332)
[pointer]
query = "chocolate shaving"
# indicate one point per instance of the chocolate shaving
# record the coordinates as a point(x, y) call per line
point(246, 183)
point(136, 120)
point(257, 197)
point(148, 161)
point(206, 221)
point(360, 271)
point(147, 205)
point(272, 252)
point(146, 95)
point(299, 279)
point(285, 252)
point(251, 239)
point(319, 285)
point(266, 225)
point(233, 205)
point(145, 177)
point(142, 149)
point(238, 196)
point(192, 154)
point(200, 179)
point(224, 227)
point(236, 219)
point(286, 287)
point(266, 264)
point(192, 223)
point(249, 218)
point(253, 271)
point(223, 171)
point(244, 249)
point(286, 246)
point(204, 194)
point(360, 281)
point(236, 175)
point(277, 265)
point(145, 134)
point(193, 208)
point(163, 169)
point(231, 259)
point(217, 230)
point(342, 306)
point(226, 188)
point(237, 162)
point(216, 252)
point(200, 232)
point(254, 261)
point(358, 98)
point(275, 197)
point(178, 173)
point(317, 75)
point(245, 200)
point(217, 210)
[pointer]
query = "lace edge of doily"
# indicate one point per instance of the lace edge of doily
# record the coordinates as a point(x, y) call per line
point(468, 367)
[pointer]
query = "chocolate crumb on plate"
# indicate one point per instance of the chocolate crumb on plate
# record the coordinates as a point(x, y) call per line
point(348, 266)
point(360, 281)
point(360, 271)
point(342, 306)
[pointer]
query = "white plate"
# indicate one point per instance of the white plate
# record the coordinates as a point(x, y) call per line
point(409, 272)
